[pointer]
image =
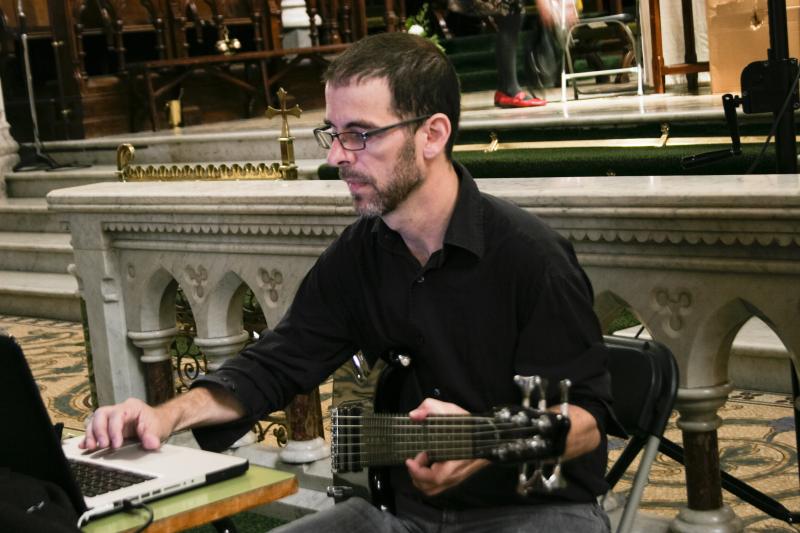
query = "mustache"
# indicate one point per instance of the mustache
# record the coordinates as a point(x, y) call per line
point(348, 174)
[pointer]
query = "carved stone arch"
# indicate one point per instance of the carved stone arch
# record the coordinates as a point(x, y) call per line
point(157, 309)
point(222, 310)
point(711, 345)
point(781, 317)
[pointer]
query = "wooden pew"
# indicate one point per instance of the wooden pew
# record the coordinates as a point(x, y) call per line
point(161, 76)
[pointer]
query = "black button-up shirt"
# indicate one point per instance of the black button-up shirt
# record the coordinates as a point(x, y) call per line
point(504, 296)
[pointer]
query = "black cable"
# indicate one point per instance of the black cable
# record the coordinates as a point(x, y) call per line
point(775, 124)
point(131, 507)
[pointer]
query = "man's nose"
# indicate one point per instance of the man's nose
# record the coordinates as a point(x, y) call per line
point(337, 155)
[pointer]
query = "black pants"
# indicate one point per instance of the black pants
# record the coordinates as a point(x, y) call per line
point(508, 28)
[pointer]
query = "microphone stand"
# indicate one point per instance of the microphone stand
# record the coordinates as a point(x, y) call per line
point(34, 159)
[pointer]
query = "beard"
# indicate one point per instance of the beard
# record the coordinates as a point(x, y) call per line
point(406, 178)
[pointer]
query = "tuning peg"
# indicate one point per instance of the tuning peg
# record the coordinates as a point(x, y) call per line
point(528, 384)
point(541, 387)
point(554, 480)
point(528, 483)
point(564, 386)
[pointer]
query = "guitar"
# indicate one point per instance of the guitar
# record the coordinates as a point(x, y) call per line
point(522, 434)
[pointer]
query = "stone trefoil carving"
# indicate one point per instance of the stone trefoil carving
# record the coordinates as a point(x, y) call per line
point(269, 281)
point(675, 303)
point(198, 279)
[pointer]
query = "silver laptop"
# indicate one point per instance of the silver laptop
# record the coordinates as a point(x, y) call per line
point(129, 473)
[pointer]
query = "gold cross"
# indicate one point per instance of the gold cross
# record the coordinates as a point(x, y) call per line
point(295, 112)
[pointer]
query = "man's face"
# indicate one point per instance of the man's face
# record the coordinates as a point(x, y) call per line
point(383, 175)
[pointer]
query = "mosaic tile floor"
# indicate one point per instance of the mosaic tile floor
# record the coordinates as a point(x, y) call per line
point(756, 440)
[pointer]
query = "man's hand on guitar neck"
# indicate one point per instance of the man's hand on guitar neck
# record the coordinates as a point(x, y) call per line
point(434, 478)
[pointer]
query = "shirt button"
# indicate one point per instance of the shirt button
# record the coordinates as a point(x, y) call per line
point(437, 392)
point(421, 279)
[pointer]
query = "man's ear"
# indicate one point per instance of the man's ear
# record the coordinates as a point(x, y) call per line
point(437, 132)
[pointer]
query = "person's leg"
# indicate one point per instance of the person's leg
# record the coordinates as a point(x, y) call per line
point(354, 515)
point(583, 517)
point(506, 52)
point(509, 93)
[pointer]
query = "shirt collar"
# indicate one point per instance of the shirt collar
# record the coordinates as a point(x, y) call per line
point(465, 229)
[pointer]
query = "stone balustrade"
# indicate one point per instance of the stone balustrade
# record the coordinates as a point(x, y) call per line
point(694, 257)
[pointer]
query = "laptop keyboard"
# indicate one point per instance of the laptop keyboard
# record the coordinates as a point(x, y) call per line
point(96, 479)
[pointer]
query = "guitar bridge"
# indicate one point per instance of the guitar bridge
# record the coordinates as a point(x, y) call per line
point(346, 448)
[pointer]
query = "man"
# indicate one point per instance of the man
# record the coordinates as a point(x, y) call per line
point(476, 289)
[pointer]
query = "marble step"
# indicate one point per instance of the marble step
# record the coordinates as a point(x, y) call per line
point(39, 294)
point(29, 214)
point(35, 252)
point(36, 184)
point(192, 145)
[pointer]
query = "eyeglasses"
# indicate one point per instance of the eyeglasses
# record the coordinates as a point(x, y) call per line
point(354, 140)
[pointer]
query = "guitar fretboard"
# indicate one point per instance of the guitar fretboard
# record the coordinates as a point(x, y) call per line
point(366, 440)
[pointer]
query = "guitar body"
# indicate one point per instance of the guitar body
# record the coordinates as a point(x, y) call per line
point(397, 392)
point(390, 388)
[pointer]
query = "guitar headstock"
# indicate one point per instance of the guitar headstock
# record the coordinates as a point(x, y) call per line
point(522, 434)
point(528, 482)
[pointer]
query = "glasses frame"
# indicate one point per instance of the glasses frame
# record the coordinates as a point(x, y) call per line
point(325, 139)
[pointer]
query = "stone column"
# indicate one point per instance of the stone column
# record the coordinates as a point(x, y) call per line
point(159, 379)
point(699, 422)
point(8, 147)
point(218, 349)
point(305, 444)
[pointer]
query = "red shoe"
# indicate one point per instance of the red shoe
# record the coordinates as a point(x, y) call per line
point(521, 99)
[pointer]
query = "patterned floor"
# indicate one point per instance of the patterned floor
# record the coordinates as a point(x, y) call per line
point(756, 440)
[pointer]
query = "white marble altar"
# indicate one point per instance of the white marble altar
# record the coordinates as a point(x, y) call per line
point(693, 256)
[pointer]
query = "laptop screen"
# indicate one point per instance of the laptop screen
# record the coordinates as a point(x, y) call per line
point(30, 445)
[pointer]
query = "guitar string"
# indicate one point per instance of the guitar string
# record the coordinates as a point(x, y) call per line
point(433, 428)
point(423, 441)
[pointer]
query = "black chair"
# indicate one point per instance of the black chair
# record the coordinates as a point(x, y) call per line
point(644, 383)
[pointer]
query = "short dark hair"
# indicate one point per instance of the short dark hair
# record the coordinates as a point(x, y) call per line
point(421, 78)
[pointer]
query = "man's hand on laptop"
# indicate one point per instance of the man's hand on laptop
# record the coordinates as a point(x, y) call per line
point(201, 406)
point(110, 425)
